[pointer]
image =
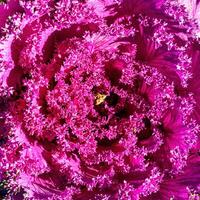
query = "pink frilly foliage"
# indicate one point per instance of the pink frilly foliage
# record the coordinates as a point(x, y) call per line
point(100, 99)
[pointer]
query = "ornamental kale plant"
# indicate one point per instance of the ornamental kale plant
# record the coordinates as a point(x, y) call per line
point(100, 99)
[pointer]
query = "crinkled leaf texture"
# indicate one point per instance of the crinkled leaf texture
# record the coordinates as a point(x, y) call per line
point(99, 99)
